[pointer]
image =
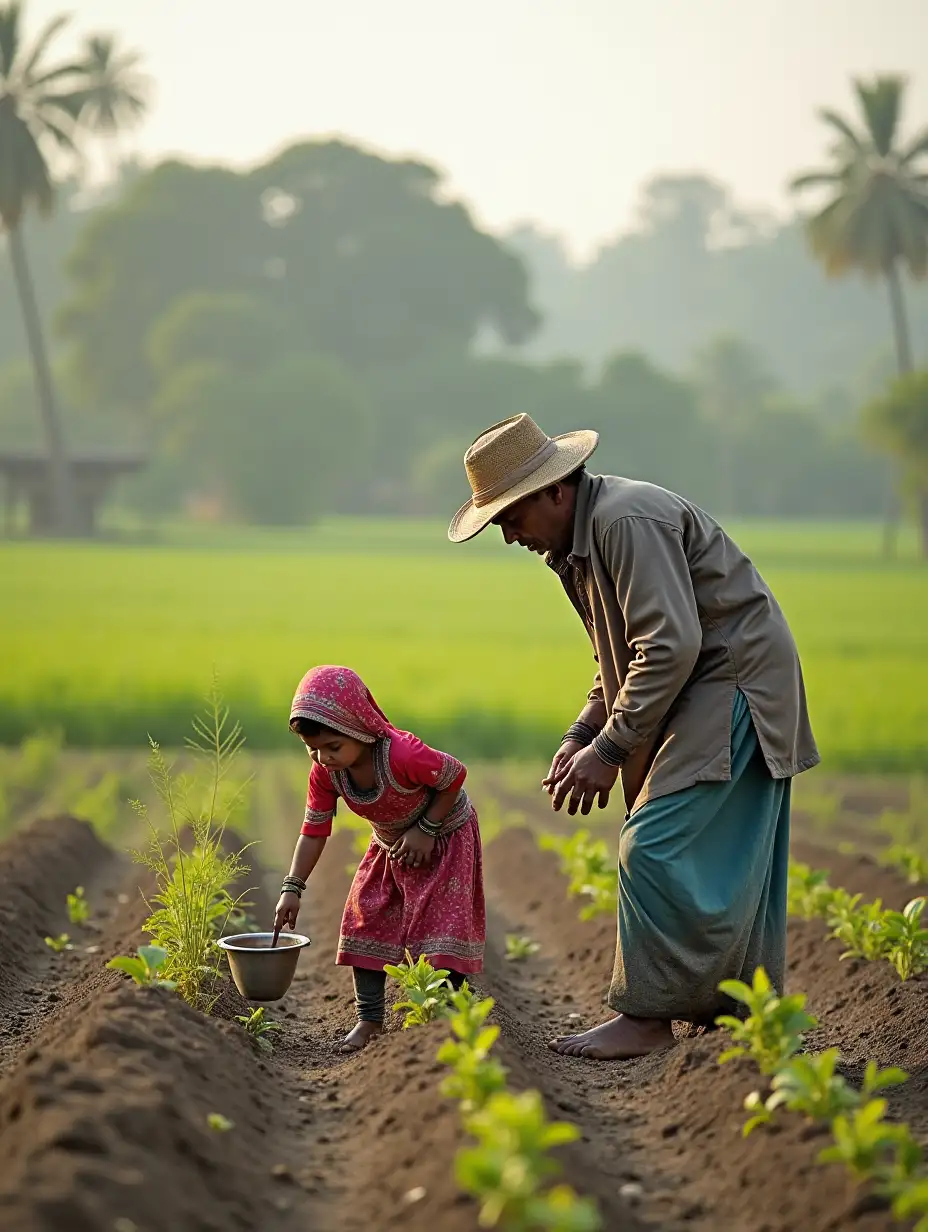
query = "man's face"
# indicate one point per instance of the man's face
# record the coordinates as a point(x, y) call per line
point(540, 522)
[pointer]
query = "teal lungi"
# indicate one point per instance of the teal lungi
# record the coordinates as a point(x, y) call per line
point(702, 888)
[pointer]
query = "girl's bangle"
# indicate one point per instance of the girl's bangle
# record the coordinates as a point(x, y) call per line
point(431, 828)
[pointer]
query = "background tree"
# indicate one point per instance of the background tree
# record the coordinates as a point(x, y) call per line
point(42, 108)
point(877, 218)
point(898, 423)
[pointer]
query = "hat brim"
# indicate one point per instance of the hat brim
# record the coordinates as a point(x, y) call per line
point(573, 449)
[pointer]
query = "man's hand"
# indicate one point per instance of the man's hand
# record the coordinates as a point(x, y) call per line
point(583, 778)
point(414, 848)
point(562, 758)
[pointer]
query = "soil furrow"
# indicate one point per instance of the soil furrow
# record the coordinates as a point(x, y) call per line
point(672, 1120)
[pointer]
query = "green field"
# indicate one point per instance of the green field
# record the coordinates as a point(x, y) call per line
point(473, 646)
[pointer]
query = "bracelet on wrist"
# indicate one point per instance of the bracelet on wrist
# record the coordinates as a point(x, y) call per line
point(431, 828)
point(607, 752)
point(579, 733)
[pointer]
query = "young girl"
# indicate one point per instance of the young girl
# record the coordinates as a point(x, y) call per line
point(420, 884)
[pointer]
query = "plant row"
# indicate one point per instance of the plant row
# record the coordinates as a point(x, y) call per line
point(875, 1150)
point(866, 930)
point(509, 1167)
point(590, 869)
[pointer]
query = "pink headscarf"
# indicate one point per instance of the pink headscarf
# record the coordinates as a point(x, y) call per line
point(338, 698)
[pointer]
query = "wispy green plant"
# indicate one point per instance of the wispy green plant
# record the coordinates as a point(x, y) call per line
point(219, 1124)
point(60, 943)
point(906, 860)
point(194, 875)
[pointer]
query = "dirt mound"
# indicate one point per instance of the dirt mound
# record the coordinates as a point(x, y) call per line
point(107, 1121)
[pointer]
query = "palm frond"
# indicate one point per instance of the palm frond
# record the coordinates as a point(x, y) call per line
point(836, 121)
point(815, 179)
point(9, 37)
point(915, 149)
point(60, 72)
point(881, 102)
point(42, 44)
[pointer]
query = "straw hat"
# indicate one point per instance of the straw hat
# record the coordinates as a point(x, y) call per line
point(513, 459)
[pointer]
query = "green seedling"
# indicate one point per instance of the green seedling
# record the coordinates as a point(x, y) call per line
point(810, 1085)
point(905, 940)
point(590, 868)
point(808, 892)
point(475, 1074)
point(427, 991)
point(60, 943)
point(910, 1198)
point(511, 1161)
point(520, 948)
point(218, 1123)
point(144, 967)
point(773, 1030)
point(78, 907)
point(872, 1148)
point(907, 861)
point(858, 927)
point(257, 1026)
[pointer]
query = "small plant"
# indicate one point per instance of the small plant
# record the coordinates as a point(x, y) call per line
point(590, 868)
point(507, 1167)
point(808, 893)
point(193, 872)
point(907, 861)
point(218, 1123)
point(427, 991)
point(810, 1085)
point(257, 1026)
point(872, 1148)
point(78, 907)
point(475, 1074)
point(60, 943)
point(144, 967)
point(858, 927)
point(519, 948)
point(905, 940)
point(772, 1032)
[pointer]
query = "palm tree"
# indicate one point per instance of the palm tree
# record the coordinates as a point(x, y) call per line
point(44, 110)
point(877, 218)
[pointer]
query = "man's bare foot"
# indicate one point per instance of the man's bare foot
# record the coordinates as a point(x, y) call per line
point(360, 1036)
point(619, 1039)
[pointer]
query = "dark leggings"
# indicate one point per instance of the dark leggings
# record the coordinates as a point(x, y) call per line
point(370, 988)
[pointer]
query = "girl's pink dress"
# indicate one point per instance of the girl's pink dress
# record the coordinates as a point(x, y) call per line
point(436, 910)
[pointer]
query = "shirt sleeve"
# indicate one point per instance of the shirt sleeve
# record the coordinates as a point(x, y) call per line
point(321, 802)
point(662, 628)
point(414, 764)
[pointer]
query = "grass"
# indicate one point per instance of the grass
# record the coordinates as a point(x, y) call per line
point(474, 647)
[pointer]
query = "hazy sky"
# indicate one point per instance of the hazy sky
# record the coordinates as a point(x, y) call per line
point(548, 110)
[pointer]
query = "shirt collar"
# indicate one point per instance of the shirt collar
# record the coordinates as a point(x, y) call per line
point(580, 545)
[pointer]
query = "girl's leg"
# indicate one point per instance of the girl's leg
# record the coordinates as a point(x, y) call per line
point(370, 1002)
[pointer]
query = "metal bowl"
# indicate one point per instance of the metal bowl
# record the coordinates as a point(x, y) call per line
point(262, 972)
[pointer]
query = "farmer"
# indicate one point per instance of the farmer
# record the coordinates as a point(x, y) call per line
point(419, 886)
point(698, 703)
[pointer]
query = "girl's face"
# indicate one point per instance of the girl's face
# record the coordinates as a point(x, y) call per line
point(334, 751)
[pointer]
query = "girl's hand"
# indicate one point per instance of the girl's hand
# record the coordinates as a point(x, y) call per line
point(288, 908)
point(562, 759)
point(414, 849)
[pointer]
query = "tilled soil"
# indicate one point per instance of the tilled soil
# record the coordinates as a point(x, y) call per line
point(105, 1089)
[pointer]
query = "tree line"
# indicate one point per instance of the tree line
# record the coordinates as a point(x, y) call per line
point(328, 331)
